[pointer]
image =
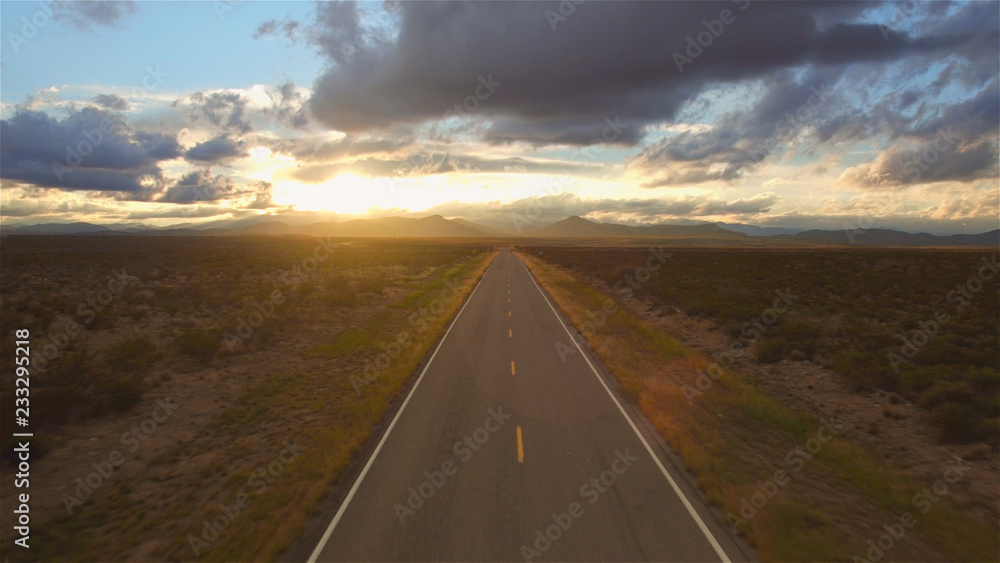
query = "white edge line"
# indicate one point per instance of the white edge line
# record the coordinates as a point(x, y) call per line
point(687, 504)
point(357, 482)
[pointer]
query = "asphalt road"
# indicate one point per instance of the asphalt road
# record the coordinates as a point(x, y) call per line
point(504, 452)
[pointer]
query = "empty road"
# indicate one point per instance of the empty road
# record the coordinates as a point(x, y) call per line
point(504, 452)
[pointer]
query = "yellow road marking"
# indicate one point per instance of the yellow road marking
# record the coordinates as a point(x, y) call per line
point(510, 333)
point(512, 367)
point(508, 313)
point(520, 447)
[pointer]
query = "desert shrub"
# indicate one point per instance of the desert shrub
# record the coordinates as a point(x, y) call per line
point(772, 350)
point(372, 284)
point(339, 293)
point(131, 356)
point(944, 391)
point(866, 370)
point(800, 336)
point(914, 380)
point(125, 393)
point(958, 422)
point(197, 343)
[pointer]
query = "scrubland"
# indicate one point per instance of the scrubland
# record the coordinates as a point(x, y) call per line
point(200, 395)
point(789, 413)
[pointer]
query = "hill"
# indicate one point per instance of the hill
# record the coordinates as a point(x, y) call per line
point(579, 227)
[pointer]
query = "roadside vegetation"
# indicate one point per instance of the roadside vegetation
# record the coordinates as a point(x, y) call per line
point(252, 379)
point(786, 480)
point(921, 323)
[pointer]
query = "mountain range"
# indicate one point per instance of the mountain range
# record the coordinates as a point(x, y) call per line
point(435, 226)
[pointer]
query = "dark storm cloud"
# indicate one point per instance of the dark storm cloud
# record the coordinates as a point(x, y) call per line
point(563, 132)
point(111, 101)
point(200, 186)
point(289, 106)
point(84, 14)
point(222, 109)
point(957, 143)
point(91, 149)
point(741, 140)
point(262, 196)
point(215, 150)
point(817, 110)
point(970, 120)
point(604, 60)
point(939, 161)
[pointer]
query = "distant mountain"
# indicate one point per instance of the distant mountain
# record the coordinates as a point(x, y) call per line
point(432, 226)
point(486, 231)
point(269, 228)
point(887, 237)
point(57, 229)
point(129, 226)
point(755, 231)
point(571, 227)
point(579, 227)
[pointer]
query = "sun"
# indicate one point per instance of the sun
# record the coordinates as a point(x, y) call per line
point(347, 194)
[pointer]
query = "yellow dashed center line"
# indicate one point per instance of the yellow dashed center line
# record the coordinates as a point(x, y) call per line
point(512, 367)
point(508, 313)
point(510, 333)
point(520, 447)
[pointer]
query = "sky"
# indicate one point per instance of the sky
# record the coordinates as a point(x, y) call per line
point(791, 114)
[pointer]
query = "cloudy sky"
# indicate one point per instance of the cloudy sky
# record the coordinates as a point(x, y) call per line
point(809, 115)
